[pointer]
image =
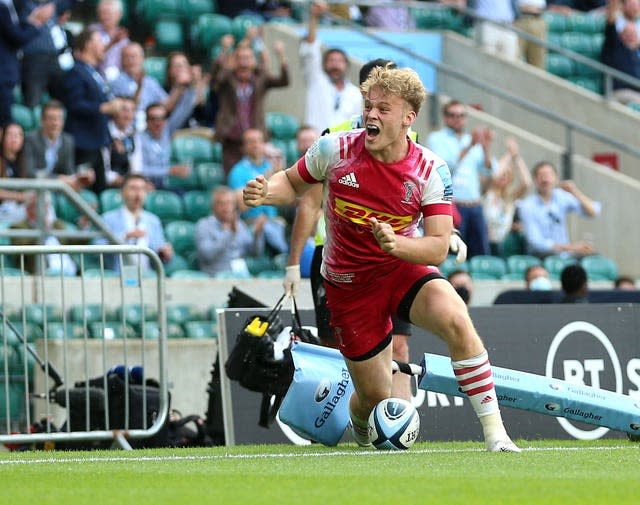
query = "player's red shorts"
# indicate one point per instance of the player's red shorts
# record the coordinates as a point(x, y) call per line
point(361, 314)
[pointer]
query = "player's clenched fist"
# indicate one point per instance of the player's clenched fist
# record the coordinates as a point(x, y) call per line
point(255, 192)
point(384, 234)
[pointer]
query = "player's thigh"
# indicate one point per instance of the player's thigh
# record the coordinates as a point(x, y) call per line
point(372, 377)
point(439, 309)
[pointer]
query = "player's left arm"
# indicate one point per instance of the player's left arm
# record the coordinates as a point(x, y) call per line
point(430, 249)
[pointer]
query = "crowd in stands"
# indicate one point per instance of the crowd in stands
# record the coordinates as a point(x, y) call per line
point(106, 124)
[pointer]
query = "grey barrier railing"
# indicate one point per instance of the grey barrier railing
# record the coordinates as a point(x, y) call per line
point(59, 333)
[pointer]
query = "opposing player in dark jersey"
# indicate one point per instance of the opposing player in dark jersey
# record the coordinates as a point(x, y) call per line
point(378, 185)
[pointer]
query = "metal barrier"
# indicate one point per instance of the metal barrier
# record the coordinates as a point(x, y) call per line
point(78, 351)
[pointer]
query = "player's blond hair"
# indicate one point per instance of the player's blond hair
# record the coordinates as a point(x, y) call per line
point(401, 82)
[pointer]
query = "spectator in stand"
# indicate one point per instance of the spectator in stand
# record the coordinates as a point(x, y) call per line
point(132, 82)
point(330, 98)
point(625, 282)
point(45, 59)
point(12, 165)
point(575, 288)
point(124, 154)
point(536, 278)
point(90, 103)
point(50, 152)
point(389, 17)
point(114, 37)
point(15, 32)
point(241, 85)
point(252, 164)
point(531, 21)
point(463, 284)
point(499, 201)
point(156, 144)
point(136, 226)
point(543, 214)
point(223, 239)
point(495, 39)
point(621, 46)
point(180, 76)
point(471, 164)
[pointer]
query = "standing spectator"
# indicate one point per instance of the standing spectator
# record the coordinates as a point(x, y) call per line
point(252, 164)
point(470, 161)
point(156, 144)
point(241, 86)
point(531, 21)
point(499, 201)
point(496, 39)
point(621, 46)
point(330, 98)
point(45, 59)
point(180, 76)
point(14, 34)
point(544, 214)
point(124, 154)
point(12, 165)
point(575, 287)
point(536, 278)
point(223, 239)
point(133, 225)
point(114, 37)
point(132, 82)
point(51, 150)
point(89, 103)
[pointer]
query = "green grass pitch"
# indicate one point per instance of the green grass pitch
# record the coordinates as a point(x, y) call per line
point(547, 472)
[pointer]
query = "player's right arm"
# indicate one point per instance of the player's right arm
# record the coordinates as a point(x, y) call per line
point(282, 188)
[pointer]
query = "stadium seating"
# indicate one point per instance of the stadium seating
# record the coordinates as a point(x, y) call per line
point(599, 268)
point(176, 262)
point(110, 199)
point(241, 23)
point(201, 329)
point(449, 265)
point(66, 211)
point(180, 234)
point(189, 273)
point(24, 116)
point(151, 11)
point(259, 264)
point(92, 312)
point(193, 9)
point(555, 263)
point(209, 175)
point(35, 313)
point(197, 204)
point(282, 125)
point(518, 263)
point(191, 149)
point(165, 204)
point(180, 313)
point(110, 330)
point(155, 66)
point(487, 267)
point(68, 330)
point(438, 19)
point(169, 35)
point(133, 314)
point(151, 330)
point(209, 30)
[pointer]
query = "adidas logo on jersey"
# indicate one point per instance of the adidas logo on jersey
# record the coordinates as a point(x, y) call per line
point(349, 180)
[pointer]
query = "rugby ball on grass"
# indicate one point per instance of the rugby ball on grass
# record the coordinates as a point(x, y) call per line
point(394, 424)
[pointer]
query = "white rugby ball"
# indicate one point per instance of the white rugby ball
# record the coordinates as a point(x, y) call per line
point(394, 424)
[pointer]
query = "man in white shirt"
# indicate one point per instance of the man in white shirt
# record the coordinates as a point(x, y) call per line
point(330, 98)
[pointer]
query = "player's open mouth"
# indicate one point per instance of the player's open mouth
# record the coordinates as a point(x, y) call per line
point(372, 131)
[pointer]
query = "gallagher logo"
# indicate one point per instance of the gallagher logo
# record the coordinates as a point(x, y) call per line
point(597, 366)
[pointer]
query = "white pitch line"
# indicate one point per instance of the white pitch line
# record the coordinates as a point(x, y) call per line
point(127, 459)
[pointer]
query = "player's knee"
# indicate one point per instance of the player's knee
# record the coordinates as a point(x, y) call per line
point(459, 331)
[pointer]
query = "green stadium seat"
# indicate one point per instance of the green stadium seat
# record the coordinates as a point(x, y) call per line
point(70, 330)
point(282, 125)
point(484, 266)
point(197, 204)
point(169, 35)
point(556, 23)
point(228, 275)
point(66, 211)
point(10, 271)
point(209, 175)
point(241, 23)
point(92, 312)
point(593, 84)
point(111, 330)
point(554, 264)
point(191, 149)
point(156, 67)
point(519, 263)
point(167, 205)
point(599, 268)
point(634, 106)
point(210, 28)
point(259, 264)
point(180, 313)
point(176, 262)
point(97, 273)
point(181, 235)
point(586, 23)
point(110, 199)
point(35, 313)
point(151, 330)
point(188, 183)
point(193, 9)
point(189, 273)
point(154, 10)
point(559, 65)
point(133, 314)
point(270, 274)
point(24, 116)
point(513, 276)
point(577, 42)
point(449, 265)
point(217, 152)
point(201, 329)
point(282, 20)
point(514, 243)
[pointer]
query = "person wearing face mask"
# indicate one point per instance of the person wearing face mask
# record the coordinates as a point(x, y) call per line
point(537, 278)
